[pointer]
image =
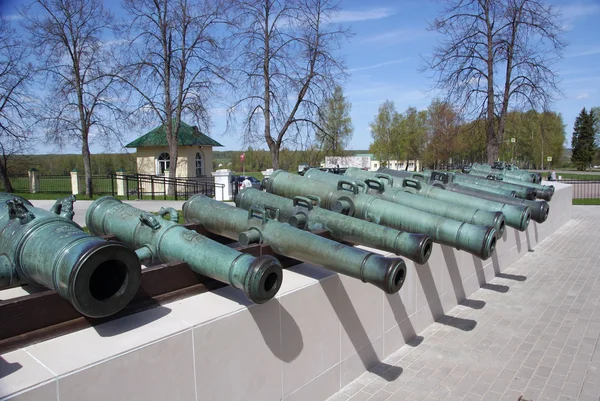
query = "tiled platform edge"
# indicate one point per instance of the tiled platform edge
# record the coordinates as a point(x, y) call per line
point(319, 334)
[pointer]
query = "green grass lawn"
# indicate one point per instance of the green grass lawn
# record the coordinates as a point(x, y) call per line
point(586, 201)
point(256, 174)
point(569, 176)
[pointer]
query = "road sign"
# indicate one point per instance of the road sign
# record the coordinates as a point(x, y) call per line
point(549, 158)
point(513, 140)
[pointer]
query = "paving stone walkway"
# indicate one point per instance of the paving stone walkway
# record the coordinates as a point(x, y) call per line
point(537, 341)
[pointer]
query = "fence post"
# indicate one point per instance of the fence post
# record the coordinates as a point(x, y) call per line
point(74, 182)
point(120, 182)
point(34, 180)
point(223, 176)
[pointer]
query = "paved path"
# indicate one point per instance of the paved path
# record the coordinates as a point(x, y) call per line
point(80, 207)
point(539, 340)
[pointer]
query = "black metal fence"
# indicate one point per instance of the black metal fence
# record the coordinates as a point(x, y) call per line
point(145, 186)
point(584, 189)
point(101, 184)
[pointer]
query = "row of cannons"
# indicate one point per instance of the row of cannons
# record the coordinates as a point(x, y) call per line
point(504, 172)
point(397, 212)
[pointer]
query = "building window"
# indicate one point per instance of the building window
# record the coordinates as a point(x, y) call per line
point(199, 165)
point(375, 165)
point(163, 161)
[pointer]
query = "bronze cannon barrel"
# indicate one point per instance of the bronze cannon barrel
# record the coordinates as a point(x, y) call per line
point(517, 215)
point(412, 198)
point(301, 213)
point(522, 176)
point(255, 225)
point(346, 198)
point(98, 277)
point(477, 182)
point(162, 240)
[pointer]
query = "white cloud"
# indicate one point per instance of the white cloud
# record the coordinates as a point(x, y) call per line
point(114, 42)
point(580, 10)
point(583, 95)
point(397, 36)
point(581, 79)
point(385, 63)
point(345, 16)
point(590, 51)
point(572, 12)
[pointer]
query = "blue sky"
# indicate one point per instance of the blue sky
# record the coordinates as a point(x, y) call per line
point(385, 53)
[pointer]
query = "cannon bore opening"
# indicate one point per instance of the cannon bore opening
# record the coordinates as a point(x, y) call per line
point(427, 250)
point(399, 277)
point(501, 228)
point(108, 279)
point(271, 281)
point(492, 245)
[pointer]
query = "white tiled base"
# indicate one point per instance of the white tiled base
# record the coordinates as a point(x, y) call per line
point(319, 334)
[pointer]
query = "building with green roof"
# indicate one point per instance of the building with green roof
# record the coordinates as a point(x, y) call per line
point(194, 158)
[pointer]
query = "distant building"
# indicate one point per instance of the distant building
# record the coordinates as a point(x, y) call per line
point(368, 162)
point(363, 161)
point(195, 158)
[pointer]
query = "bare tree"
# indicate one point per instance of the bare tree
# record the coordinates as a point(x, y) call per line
point(286, 66)
point(175, 61)
point(497, 54)
point(67, 37)
point(15, 76)
point(443, 129)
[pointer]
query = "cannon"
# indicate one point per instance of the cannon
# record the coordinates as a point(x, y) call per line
point(165, 241)
point(403, 197)
point(302, 213)
point(500, 168)
point(475, 182)
point(98, 277)
point(539, 191)
point(346, 198)
point(255, 226)
point(544, 192)
point(517, 214)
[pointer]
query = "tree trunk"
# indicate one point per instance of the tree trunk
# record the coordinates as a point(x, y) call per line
point(87, 166)
point(274, 149)
point(4, 177)
point(492, 140)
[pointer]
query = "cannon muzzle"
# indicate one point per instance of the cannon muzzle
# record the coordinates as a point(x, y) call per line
point(409, 194)
point(304, 213)
point(98, 277)
point(256, 226)
point(346, 198)
point(162, 240)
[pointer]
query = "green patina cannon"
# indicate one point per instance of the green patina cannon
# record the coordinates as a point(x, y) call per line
point(302, 213)
point(541, 191)
point(539, 208)
point(405, 196)
point(500, 168)
point(98, 277)
point(476, 182)
point(162, 240)
point(517, 215)
point(346, 198)
point(525, 190)
point(255, 226)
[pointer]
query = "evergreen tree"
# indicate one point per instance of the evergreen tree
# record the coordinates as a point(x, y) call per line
point(583, 141)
